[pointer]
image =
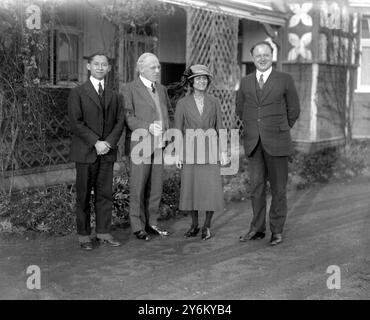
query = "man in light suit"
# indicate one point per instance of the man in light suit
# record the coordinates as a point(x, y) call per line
point(268, 104)
point(146, 108)
point(97, 120)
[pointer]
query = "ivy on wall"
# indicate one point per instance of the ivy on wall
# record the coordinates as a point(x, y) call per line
point(23, 39)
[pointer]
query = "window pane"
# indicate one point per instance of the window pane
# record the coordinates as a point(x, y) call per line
point(365, 66)
point(44, 59)
point(365, 24)
point(67, 57)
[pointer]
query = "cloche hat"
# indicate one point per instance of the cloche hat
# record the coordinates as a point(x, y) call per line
point(199, 70)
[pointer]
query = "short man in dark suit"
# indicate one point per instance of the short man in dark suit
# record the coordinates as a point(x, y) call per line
point(97, 119)
point(146, 108)
point(268, 104)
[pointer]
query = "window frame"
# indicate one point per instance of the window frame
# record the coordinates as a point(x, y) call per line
point(56, 29)
point(67, 31)
point(364, 43)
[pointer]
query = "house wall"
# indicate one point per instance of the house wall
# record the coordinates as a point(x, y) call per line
point(361, 116)
point(172, 35)
point(172, 45)
point(316, 123)
point(302, 76)
point(331, 100)
point(361, 99)
point(320, 35)
point(98, 34)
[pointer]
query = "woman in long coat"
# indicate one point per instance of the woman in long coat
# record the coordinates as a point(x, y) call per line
point(201, 185)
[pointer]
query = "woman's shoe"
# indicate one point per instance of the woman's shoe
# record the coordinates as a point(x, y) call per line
point(206, 233)
point(142, 235)
point(192, 232)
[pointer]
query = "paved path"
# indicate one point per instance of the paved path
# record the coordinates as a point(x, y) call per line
point(327, 225)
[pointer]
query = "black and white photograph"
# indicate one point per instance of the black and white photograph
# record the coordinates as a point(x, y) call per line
point(184, 155)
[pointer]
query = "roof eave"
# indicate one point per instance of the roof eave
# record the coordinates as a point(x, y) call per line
point(243, 11)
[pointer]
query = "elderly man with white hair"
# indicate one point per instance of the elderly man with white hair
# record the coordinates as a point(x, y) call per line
point(146, 106)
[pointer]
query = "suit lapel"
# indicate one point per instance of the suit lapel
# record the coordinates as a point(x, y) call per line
point(193, 110)
point(144, 92)
point(91, 92)
point(107, 97)
point(163, 103)
point(252, 85)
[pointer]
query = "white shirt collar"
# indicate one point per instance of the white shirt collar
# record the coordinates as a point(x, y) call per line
point(146, 82)
point(265, 74)
point(95, 83)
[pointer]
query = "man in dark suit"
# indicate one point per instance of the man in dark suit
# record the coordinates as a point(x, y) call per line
point(268, 104)
point(146, 108)
point(97, 120)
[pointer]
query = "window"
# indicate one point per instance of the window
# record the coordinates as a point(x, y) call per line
point(363, 81)
point(66, 62)
point(61, 65)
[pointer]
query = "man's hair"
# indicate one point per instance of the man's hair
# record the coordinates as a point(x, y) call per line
point(262, 43)
point(142, 59)
point(98, 53)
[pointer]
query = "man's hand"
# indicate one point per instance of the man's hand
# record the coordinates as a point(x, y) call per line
point(155, 129)
point(102, 147)
point(107, 144)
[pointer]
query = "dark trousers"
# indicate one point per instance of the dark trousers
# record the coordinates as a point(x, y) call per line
point(146, 184)
point(96, 176)
point(263, 166)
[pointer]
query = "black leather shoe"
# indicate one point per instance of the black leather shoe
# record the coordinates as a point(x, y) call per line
point(156, 231)
point(252, 235)
point(192, 232)
point(276, 238)
point(112, 242)
point(142, 235)
point(86, 246)
point(206, 234)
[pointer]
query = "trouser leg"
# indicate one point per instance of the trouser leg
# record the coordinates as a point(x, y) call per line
point(83, 193)
point(278, 177)
point(103, 197)
point(138, 178)
point(258, 174)
point(153, 193)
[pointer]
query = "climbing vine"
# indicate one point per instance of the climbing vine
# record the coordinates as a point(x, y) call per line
point(22, 110)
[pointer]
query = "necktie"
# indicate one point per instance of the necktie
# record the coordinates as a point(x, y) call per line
point(260, 81)
point(100, 91)
point(153, 88)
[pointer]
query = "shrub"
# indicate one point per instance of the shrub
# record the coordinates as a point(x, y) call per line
point(170, 197)
point(121, 200)
point(51, 210)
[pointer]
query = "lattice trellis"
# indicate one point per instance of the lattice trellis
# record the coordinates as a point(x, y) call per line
point(135, 43)
point(212, 40)
point(41, 142)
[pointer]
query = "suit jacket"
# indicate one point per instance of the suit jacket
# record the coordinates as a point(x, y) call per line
point(87, 121)
point(272, 116)
point(187, 116)
point(140, 109)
